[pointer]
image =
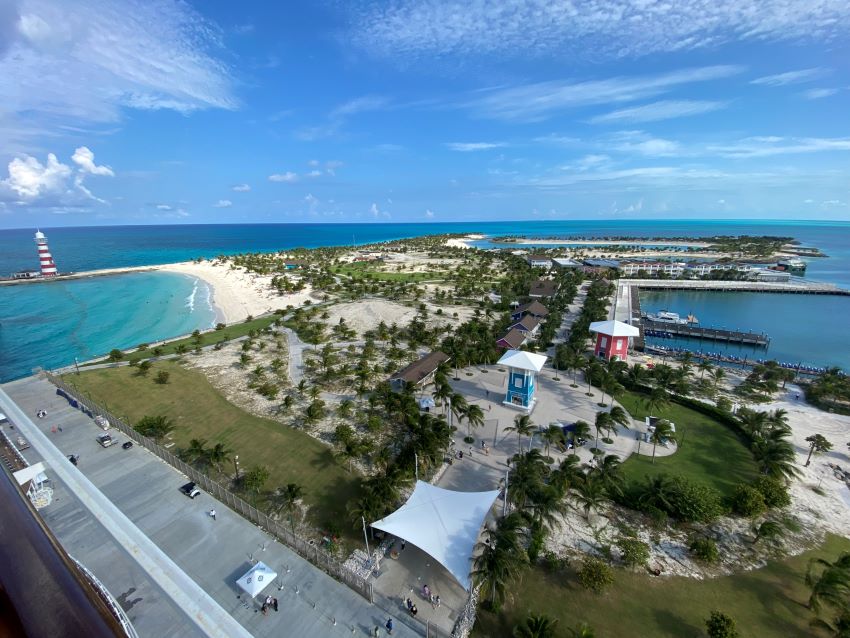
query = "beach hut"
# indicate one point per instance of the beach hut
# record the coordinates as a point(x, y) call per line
point(612, 338)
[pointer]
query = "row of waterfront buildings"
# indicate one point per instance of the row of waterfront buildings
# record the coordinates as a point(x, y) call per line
point(782, 271)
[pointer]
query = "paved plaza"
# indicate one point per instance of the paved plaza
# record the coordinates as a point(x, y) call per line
point(211, 553)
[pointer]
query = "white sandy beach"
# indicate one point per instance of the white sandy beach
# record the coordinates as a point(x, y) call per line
point(464, 242)
point(236, 292)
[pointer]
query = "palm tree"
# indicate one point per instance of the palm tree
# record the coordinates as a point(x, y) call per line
point(474, 416)
point(591, 368)
point(442, 393)
point(552, 436)
point(755, 423)
point(832, 585)
point(775, 457)
point(219, 454)
point(778, 420)
point(458, 405)
point(501, 557)
point(603, 423)
point(574, 362)
point(657, 400)
point(717, 376)
point(568, 473)
point(196, 452)
point(536, 626)
point(288, 498)
point(817, 444)
point(663, 430)
point(611, 386)
point(657, 492)
point(589, 494)
point(523, 426)
point(610, 472)
point(768, 530)
point(620, 417)
point(155, 427)
point(581, 430)
point(704, 366)
point(636, 375)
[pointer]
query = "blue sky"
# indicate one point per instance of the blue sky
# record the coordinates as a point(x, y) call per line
point(156, 111)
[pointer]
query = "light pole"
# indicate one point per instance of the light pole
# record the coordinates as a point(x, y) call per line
point(77, 364)
point(236, 465)
point(366, 538)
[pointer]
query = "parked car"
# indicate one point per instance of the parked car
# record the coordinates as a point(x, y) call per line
point(190, 490)
point(127, 445)
point(105, 440)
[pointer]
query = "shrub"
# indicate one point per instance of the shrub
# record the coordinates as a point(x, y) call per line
point(773, 490)
point(724, 404)
point(268, 390)
point(162, 377)
point(595, 574)
point(635, 552)
point(748, 501)
point(704, 549)
point(719, 625)
point(694, 502)
point(220, 326)
point(115, 355)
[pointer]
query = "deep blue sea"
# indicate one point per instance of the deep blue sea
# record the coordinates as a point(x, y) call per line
point(49, 324)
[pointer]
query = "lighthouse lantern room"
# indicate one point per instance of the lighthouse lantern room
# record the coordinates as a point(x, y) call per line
point(48, 268)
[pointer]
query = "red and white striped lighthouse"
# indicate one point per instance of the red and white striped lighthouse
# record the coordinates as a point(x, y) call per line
point(48, 268)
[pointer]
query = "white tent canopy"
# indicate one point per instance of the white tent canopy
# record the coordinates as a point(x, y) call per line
point(256, 579)
point(442, 523)
point(523, 360)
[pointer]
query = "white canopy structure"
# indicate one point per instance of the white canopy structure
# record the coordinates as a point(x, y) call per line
point(426, 403)
point(522, 360)
point(442, 523)
point(256, 579)
point(614, 328)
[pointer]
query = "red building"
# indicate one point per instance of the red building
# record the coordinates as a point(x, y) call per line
point(612, 338)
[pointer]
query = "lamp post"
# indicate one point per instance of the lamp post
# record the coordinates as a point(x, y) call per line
point(366, 538)
point(236, 465)
point(77, 364)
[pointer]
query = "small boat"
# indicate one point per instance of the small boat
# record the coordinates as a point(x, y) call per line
point(665, 316)
point(692, 318)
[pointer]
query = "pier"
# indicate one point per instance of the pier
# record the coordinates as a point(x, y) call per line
point(698, 332)
point(797, 285)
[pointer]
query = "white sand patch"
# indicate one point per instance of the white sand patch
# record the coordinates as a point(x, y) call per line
point(238, 293)
point(367, 314)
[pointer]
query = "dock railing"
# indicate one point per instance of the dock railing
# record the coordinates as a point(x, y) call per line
point(307, 549)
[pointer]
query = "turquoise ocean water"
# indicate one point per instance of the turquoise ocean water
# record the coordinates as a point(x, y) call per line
point(49, 324)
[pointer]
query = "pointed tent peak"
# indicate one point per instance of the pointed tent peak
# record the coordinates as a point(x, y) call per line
point(256, 579)
point(523, 360)
point(442, 523)
point(614, 328)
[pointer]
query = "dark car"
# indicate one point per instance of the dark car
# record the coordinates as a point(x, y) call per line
point(190, 490)
point(127, 445)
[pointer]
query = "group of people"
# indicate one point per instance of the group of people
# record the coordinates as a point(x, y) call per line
point(269, 603)
point(428, 595)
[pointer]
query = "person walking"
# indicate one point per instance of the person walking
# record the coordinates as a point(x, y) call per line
point(274, 604)
point(212, 513)
point(389, 626)
point(376, 631)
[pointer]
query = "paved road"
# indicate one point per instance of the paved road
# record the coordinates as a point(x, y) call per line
point(213, 554)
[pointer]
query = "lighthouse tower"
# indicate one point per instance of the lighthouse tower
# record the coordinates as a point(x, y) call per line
point(48, 268)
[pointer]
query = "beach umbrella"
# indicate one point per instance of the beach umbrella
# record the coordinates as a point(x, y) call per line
point(256, 579)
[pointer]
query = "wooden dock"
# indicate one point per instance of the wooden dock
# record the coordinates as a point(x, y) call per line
point(698, 332)
point(797, 285)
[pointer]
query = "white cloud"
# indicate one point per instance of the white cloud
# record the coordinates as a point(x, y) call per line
point(663, 110)
point(791, 77)
point(242, 188)
point(313, 162)
point(315, 174)
point(722, 202)
point(84, 158)
point(818, 94)
point(53, 183)
point(467, 147)
point(84, 61)
point(288, 177)
point(340, 115)
point(429, 214)
point(590, 161)
point(767, 146)
point(165, 207)
point(377, 213)
point(405, 29)
point(223, 203)
point(533, 102)
point(644, 144)
point(332, 165)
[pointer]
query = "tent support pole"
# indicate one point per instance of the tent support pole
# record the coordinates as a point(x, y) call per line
point(505, 510)
point(366, 538)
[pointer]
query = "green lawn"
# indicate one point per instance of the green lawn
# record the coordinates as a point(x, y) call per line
point(199, 411)
point(359, 270)
point(710, 452)
point(207, 338)
point(766, 603)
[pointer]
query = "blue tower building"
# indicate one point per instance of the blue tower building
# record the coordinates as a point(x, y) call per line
point(522, 372)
